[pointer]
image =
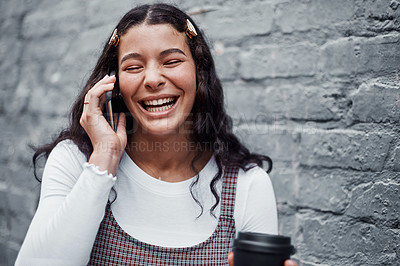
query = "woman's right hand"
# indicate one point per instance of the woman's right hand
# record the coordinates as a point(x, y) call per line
point(108, 146)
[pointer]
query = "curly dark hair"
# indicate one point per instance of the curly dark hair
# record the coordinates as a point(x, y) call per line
point(212, 127)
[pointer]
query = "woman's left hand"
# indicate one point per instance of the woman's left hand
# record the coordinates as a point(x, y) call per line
point(290, 263)
point(287, 262)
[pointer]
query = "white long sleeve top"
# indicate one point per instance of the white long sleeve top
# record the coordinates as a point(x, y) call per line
point(74, 195)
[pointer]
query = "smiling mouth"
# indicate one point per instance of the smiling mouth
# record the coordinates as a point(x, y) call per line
point(159, 105)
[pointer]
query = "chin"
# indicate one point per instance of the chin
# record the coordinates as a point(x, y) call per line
point(162, 130)
point(169, 126)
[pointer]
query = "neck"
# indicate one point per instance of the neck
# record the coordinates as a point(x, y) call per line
point(168, 157)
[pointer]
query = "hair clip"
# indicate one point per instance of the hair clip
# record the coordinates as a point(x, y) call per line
point(114, 40)
point(190, 30)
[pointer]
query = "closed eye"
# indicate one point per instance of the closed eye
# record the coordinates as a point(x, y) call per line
point(133, 68)
point(173, 62)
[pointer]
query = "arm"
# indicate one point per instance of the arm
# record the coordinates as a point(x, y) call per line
point(255, 205)
point(72, 204)
point(74, 193)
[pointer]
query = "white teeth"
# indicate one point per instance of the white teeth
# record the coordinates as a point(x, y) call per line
point(160, 109)
point(159, 101)
point(158, 105)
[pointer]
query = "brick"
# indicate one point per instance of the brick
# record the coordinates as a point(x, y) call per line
point(4, 204)
point(287, 222)
point(279, 61)
point(23, 205)
point(357, 19)
point(338, 57)
point(337, 240)
point(10, 52)
point(19, 99)
point(16, 7)
point(226, 61)
point(19, 227)
point(17, 179)
point(378, 9)
point(61, 18)
point(345, 149)
point(4, 253)
point(112, 12)
point(350, 56)
point(276, 102)
point(302, 16)
point(235, 21)
point(50, 48)
point(396, 159)
point(72, 67)
point(42, 98)
point(285, 180)
point(18, 133)
point(322, 190)
point(9, 75)
point(301, 102)
point(375, 101)
point(8, 253)
point(290, 69)
point(376, 202)
point(380, 16)
point(279, 142)
point(244, 102)
point(8, 151)
point(325, 190)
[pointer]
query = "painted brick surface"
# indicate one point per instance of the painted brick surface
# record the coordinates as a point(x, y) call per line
point(314, 84)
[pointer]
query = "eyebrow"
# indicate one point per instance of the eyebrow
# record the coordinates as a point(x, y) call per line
point(162, 54)
point(172, 51)
point(129, 56)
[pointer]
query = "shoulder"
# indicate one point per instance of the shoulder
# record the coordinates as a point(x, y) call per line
point(254, 177)
point(65, 158)
point(67, 150)
point(254, 185)
point(255, 205)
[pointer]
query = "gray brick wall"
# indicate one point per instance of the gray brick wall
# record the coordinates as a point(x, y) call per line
point(312, 83)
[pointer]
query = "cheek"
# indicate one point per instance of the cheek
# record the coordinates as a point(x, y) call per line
point(128, 86)
point(187, 80)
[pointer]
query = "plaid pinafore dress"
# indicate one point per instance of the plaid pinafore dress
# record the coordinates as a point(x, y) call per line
point(113, 246)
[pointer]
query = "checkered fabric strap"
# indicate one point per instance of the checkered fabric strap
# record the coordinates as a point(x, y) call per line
point(229, 192)
point(113, 246)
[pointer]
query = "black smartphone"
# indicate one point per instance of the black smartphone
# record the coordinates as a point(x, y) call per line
point(113, 102)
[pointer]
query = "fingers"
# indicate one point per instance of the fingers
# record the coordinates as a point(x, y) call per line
point(290, 263)
point(92, 98)
point(121, 129)
point(91, 107)
point(230, 258)
point(121, 124)
point(108, 146)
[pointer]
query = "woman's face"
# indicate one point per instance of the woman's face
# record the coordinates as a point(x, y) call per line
point(157, 77)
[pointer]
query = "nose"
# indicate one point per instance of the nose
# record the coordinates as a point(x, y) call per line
point(154, 78)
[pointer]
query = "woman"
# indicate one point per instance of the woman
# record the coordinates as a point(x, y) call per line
point(172, 185)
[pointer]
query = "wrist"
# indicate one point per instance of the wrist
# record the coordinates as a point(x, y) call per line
point(109, 149)
point(105, 161)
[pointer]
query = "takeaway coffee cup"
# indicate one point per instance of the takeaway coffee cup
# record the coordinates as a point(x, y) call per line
point(256, 249)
